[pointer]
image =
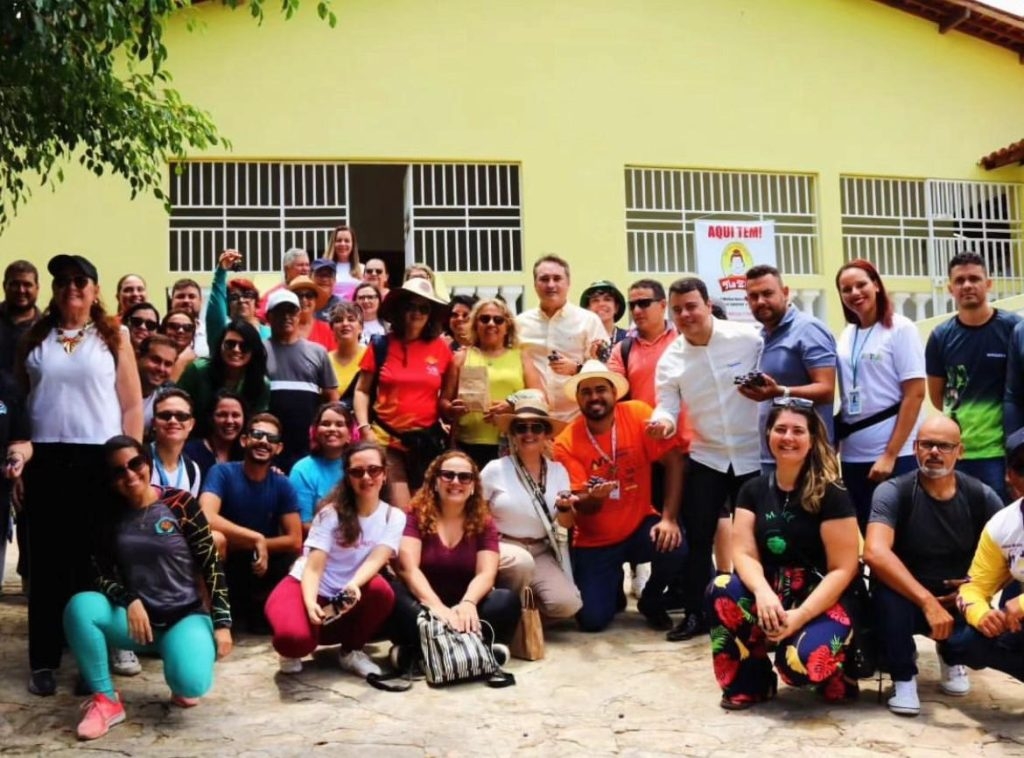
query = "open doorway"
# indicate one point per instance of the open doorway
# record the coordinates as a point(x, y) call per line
point(376, 192)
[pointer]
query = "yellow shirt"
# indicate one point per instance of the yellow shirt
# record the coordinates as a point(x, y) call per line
point(347, 374)
point(504, 376)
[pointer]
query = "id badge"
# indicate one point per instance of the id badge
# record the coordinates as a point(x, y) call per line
point(853, 402)
point(614, 495)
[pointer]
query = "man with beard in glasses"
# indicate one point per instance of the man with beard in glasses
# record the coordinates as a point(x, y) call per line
point(922, 534)
point(254, 514)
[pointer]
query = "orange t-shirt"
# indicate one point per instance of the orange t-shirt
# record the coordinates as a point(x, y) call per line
point(410, 382)
point(620, 514)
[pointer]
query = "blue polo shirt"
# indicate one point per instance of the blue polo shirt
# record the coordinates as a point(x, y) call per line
point(799, 343)
point(254, 505)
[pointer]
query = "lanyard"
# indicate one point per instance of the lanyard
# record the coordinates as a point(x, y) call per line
point(855, 354)
point(602, 453)
point(162, 473)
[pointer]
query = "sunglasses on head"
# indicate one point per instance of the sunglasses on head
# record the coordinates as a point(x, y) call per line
point(421, 308)
point(487, 318)
point(361, 472)
point(138, 322)
point(530, 427)
point(643, 303)
point(793, 402)
point(942, 447)
point(136, 465)
point(464, 477)
point(180, 416)
point(80, 281)
point(235, 345)
point(234, 297)
point(177, 326)
point(259, 434)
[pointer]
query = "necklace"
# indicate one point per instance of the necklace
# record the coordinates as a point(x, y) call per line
point(70, 342)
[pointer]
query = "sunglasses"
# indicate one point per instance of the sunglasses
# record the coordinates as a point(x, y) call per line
point(234, 297)
point(421, 308)
point(793, 402)
point(306, 295)
point(487, 319)
point(464, 477)
point(643, 303)
point(530, 427)
point(136, 465)
point(81, 281)
point(942, 447)
point(259, 434)
point(180, 416)
point(376, 271)
point(175, 326)
point(137, 322)
point(235, 345)
point(361, 472)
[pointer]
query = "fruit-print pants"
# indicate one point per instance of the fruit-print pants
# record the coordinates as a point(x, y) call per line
point(813, 656)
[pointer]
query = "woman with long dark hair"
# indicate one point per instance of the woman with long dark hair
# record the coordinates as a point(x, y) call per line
point(181, 325)
point(157, 551)
point(142, 320)
point(881, 385)
point(237, 363)
point(319, 472)
point(794, 552)
point(222, 443)
point(83, 389)
point(335, 594)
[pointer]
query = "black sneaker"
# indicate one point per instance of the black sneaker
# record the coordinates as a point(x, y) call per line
point(42, 682)
point(693, 625)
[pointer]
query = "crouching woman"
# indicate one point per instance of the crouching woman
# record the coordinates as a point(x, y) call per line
point(157, 550)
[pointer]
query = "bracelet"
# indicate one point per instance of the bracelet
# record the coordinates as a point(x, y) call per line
point(467, 600)
point(363, 426)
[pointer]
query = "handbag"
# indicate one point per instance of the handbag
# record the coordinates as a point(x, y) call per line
point(862, 651)
point(528, 641)
point(450, 657)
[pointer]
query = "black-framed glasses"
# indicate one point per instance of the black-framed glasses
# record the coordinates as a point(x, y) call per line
point(793, 402)
point(306, 295)
point(942, 447)
point(361, 472)
point(421, 308)
point(530, 427)
point(643, 303)
point(138, 322)
point(487, 318)
point(371, 296)
point(234, 297)
point(259, 434)
point(136, 465)
point(81, 281)
point(180, 416)
point(464, 477)
point(238, 345)
point(177, 326)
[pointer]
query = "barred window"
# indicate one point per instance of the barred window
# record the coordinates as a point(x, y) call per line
point(663, 204)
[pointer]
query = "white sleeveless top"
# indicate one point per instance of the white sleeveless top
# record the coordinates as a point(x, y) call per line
point(73, 398)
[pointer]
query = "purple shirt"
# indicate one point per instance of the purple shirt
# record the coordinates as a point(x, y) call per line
point(450, 570)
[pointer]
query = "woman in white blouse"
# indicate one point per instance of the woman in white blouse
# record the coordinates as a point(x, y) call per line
point(527, 493)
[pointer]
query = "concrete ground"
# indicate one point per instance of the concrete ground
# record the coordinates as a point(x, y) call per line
point(623, 692)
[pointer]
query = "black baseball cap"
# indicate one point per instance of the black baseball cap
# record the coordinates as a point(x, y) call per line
point(66, 260)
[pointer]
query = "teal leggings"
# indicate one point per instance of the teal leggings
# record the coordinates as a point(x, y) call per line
point(92, 622)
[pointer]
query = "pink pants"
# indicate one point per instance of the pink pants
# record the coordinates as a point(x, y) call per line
point(296, 637)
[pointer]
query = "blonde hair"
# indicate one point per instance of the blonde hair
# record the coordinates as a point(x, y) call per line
point(511, 336)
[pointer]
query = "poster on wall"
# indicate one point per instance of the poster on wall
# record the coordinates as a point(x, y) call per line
point(725, 250)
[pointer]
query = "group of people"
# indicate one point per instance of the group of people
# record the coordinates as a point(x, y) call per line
point(324, 461)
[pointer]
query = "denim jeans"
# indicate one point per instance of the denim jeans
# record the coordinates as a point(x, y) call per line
point(992, 471)
point(969, 647)
point(898, 620)
point(855, 477)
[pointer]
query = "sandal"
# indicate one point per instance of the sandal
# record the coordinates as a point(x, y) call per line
point(742, 702)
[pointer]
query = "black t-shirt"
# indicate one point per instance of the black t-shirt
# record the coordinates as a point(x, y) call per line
point(786, 534)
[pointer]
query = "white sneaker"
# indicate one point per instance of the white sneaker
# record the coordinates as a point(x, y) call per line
point(289, 665)
point(904, 700)
point(359, 663)
point(124, 662)
point(953, 679)
point(640, 577)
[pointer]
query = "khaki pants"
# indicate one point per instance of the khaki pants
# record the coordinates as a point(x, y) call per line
point(536, 566)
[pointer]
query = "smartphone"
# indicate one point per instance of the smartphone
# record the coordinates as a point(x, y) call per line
point(553, 356)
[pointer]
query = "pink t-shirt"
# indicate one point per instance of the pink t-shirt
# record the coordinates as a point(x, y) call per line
point(450, 569)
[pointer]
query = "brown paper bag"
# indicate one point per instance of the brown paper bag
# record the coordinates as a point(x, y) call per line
point(474, 388)
point(528, 642)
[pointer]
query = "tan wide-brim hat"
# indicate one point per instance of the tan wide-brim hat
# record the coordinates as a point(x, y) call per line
point(529, 407)
point(418, 287)
point(594, 369)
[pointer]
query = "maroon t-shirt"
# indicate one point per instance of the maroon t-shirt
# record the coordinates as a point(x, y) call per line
point(450, 570)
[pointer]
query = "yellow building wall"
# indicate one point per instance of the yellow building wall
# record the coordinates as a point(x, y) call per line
point(573, 90)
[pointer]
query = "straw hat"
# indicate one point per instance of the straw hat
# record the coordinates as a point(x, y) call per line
point(594, 369)
point(418, 287)
point(302, 282)
point(529, 406)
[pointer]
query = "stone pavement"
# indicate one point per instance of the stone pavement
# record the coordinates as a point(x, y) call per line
point(623, 692)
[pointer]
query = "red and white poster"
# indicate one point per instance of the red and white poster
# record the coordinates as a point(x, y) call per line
point(725, 251)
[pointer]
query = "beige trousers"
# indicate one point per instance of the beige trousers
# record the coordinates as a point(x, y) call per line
point(537, 567)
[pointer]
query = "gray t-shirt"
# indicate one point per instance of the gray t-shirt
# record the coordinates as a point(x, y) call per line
point(935, 539)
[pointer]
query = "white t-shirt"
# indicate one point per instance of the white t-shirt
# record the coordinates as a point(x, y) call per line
point(885, 359)
point(383, 527)
point(512, 505)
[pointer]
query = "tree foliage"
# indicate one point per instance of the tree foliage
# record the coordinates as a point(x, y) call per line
point(87, 80)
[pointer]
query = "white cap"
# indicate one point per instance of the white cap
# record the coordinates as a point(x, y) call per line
point(280, 297)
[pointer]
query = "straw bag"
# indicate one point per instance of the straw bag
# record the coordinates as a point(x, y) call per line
point(528, 642)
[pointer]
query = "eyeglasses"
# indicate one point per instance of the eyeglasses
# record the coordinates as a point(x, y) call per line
point(234, 297)
point(361, 472)
point(371, 296)
point(528, 427)
point(180, 416)
point(306, 295)
point(137, 322)
point(375, 271)
point(942, 447)
point(464, 477)
point(487, 318)
point(235, 345)
point(643, 303)
point(259, 434)
point(176, 326)
point(421, 308)
point(136, 465)
point(793, 402)
point(81, 281)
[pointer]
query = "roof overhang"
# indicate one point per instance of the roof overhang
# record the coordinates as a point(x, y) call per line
point(1006, 156)
point(969, 17)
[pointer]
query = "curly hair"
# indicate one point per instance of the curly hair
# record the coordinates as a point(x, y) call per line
point(342, 496)
point(427, 500)
point(511, 336)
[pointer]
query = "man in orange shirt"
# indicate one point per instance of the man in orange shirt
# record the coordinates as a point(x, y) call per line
point(609, 455)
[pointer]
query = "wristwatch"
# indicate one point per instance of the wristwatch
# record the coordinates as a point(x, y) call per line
point(785, 393)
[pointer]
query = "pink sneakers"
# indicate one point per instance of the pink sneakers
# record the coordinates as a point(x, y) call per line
point(101, 713)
